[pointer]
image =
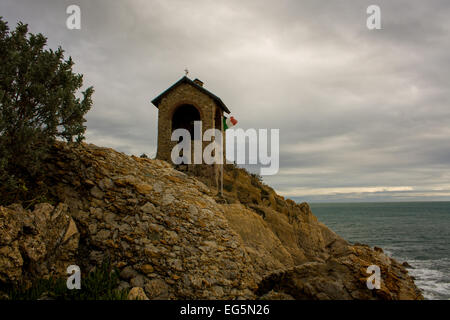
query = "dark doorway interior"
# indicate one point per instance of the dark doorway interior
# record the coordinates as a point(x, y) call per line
point(184, 118)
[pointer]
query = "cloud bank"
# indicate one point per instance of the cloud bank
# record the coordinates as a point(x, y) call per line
point(363, 115)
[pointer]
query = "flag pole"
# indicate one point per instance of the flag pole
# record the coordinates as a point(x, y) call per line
point(223, 158)
point(221, 181)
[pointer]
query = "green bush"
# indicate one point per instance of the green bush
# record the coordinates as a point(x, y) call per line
point(38, 104)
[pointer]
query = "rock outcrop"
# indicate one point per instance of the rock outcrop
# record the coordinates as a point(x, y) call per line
point(342, 278)
point(171, 237)
point(36, 244)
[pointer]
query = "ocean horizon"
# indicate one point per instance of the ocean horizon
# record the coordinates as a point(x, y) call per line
point(417, 232)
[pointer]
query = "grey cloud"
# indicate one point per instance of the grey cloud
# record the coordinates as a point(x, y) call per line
point(355, 108)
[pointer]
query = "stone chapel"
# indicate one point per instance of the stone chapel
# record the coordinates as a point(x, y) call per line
point(179, 106)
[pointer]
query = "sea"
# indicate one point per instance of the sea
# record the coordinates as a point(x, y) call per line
point(415, 232)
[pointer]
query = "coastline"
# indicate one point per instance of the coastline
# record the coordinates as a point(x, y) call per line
point(403, 232)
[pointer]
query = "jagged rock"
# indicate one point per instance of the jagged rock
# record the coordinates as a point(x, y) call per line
point(11, 262)
point(148, 208)
point(273, 295)
point(263, 246)
point(407, 265)
point(128, 273)
point(166, 233)
point(97, 193)
point(137, 293)
point(378, 249)
point(36, 243)
point(146, 268)
point(157, 289)
point(343, 278)
point(138, 281)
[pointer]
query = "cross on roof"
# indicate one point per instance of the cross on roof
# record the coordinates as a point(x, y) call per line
point(186, 71)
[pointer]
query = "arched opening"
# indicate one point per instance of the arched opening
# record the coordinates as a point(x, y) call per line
point(184, 117)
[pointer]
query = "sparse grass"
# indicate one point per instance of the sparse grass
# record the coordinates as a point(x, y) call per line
point(256, 179)
point(228, 187)
point(99, 284)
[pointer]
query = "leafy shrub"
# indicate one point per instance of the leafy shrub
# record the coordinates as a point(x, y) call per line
point(37, 106)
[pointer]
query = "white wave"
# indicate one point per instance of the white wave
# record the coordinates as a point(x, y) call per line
point(433, 282)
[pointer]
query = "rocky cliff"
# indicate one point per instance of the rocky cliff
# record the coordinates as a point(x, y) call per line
point(171, 237)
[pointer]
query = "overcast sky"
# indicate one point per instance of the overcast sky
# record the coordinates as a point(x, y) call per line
point(363, 114)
